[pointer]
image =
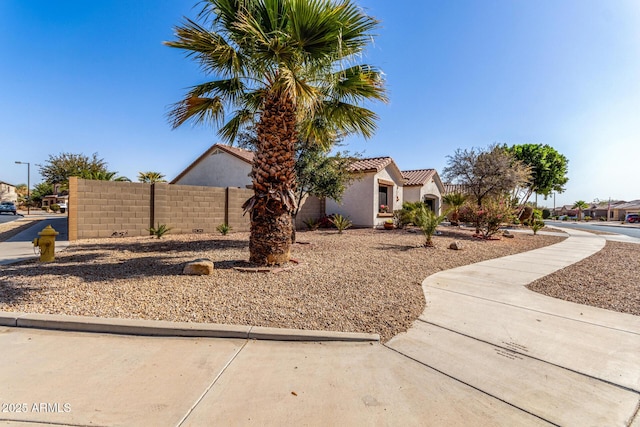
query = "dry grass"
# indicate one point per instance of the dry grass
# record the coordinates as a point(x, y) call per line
point(360, 281)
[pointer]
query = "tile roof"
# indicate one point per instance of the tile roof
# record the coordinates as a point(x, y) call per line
point(454, 188)
point(634, 204)
point(371, 164)
point(418, 177)
point(241, 153)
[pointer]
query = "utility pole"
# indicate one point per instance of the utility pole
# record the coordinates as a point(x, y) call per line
point(28, 184)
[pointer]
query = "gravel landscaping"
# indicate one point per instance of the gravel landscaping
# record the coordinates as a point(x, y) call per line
point(608, 279)
point(359, 281)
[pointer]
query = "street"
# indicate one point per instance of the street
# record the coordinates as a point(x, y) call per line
point(627, 230)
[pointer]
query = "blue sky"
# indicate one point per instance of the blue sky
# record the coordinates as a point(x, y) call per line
point(85, 77)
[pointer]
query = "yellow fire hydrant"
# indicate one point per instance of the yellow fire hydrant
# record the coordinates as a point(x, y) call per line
point(47, 243)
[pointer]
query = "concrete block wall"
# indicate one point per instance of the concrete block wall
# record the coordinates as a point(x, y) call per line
point(101, 208)
point(311, 207)
point(235, 199)
point(189, 208)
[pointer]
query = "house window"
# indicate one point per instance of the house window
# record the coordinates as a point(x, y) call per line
point(385, 199)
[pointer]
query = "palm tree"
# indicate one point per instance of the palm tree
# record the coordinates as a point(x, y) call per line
point(580, 205)
point(455, 202)
point(103, 176)
point(150, 177)
point(289, 67)
point(428, 221)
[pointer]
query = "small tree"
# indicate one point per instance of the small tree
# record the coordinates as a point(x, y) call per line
point(455, 201)
point(41, 190)
point(428, 221)
point(489, 217)
point(150, 177)
point(489, 172)
point(548, 169)
point(580, 205)
point(58, 169)
point(103, 176)
point(317, 173)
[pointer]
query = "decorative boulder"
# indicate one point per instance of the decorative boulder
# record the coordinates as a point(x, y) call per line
point(508, 234)
point(456, 246)
point(199, 267)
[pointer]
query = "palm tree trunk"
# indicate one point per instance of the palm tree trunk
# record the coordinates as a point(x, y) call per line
point(273, 182)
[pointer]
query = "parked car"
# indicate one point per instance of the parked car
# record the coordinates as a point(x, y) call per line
point(631, 218)
point(8, 207)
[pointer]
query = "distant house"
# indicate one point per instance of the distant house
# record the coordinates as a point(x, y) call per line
point(567, 210)
point(619, 211)
point(371, 199)
point(220, 166)
point(423, 185)
point(8, 192)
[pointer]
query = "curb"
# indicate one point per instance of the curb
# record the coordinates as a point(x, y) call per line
point(164, 328)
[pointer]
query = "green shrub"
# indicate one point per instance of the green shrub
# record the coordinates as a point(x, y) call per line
point(159, 231)
point(536, 226)
point(341, 222)
point(546, 213)
point(311, 223)
point(223, 229)
point(405, 215)
point(428, 221)
point(587, 218)
point(55, 207)
point(565, 218)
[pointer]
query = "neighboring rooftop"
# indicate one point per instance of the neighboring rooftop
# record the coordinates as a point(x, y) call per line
point(454, 188)
point(373, 164)
point(418, 177)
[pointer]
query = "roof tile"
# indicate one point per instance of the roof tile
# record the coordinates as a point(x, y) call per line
point(418, 177)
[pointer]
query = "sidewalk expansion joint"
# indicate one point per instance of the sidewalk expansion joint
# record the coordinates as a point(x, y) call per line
point(511, 350)
point(215, 380)
point(470, 385)
point(533, 310)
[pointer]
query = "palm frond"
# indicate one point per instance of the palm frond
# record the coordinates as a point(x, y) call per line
point(241, 120)
point(357, 84)
point(211, 50)
point(199, 110)
point(350, 118)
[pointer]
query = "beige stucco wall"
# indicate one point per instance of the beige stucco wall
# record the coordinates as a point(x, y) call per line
point(219, 169)
point(412, 193)
point(360, 201)
point(8, 193)
point(430, 190)
point(356, 202)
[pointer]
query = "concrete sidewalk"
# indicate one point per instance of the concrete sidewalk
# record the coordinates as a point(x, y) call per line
point(486, 351)
point(20, 246)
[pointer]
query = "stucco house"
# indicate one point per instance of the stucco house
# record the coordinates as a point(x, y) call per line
point(8, 192)
point(220, 166)
point(424, 185)
point(620, 211)
point(226, 166)
point(377, 191)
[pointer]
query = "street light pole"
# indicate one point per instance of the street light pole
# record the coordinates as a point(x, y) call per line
point(28, 185)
